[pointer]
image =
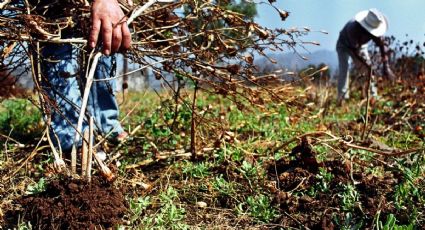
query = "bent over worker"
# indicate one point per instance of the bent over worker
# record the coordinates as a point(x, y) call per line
point(353, 42)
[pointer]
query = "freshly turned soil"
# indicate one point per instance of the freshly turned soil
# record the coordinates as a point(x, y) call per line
point(75, 204)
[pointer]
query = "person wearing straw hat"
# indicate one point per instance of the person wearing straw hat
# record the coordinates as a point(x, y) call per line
point(353, 42)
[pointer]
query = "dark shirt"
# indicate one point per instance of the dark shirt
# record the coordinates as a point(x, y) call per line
point(353, 36)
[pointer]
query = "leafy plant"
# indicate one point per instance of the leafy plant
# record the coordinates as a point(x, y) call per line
point(169, 216)
point(24, 226)
point(324, 178)
point(137, 206)
point(258, 207)
point(222, 186)
point(20, 118)
point(391, 224)
point(36, 188)
point(198, 170)
point(248, 170)
point(348, 222)
point(349, 197)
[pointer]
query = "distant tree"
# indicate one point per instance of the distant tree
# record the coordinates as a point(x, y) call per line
point(248, 9)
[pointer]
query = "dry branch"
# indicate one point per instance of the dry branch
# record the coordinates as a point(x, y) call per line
point(342, 141)
point(206, 43)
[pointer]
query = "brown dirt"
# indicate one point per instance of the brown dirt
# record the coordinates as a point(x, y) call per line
point(74, 204)
point(317, 212)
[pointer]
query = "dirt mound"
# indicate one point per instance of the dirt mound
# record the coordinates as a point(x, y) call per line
point(75, 204)
point(308, 191)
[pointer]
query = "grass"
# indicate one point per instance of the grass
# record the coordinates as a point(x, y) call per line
point(19, 118)
point(238, 178)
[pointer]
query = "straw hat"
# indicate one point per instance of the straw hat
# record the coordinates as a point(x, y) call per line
point(373, 21)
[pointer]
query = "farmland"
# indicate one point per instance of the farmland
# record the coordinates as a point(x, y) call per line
point(299, 164)
point(226, 142)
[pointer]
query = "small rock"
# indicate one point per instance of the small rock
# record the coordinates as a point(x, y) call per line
point(73, 187)
point(201, 204)
point(306, 199)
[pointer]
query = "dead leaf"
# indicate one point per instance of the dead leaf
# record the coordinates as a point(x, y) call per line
point(8, 49)
point(283, 14)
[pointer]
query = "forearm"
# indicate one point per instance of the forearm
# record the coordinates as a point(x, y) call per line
point(380, 43)
point(356, 54)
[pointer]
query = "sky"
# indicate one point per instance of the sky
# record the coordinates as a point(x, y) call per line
point(404, 17)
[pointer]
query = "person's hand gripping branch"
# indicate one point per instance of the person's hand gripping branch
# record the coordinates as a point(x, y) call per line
point(109, 23)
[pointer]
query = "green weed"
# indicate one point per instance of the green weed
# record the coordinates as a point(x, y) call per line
point(20, 118)
point(407, 194)
point(137, 206)
point(259, 207)
point(36, 188)
point(348, 222)
point(169, 216)
point(222, 186)
point(391, 224)
point(196, 170)
point(349, 197)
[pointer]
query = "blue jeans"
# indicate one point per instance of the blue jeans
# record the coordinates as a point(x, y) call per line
point(344, 74)
point(61, 74)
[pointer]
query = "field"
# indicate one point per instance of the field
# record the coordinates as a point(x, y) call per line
point(302, 164)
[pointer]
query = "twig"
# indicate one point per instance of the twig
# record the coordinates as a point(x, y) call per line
point(140, 164)
point(82, 111)
point(84, 153)
point(115, 154)
point(371, 127)
point(141, 9)
point(105, 137)
point(352, 170)
point(367, 102)
point(318, 133)
point(348, 144)
point(193, 125)
point(105, 171)
point(383, 153)
point(299, 184)
point(8, 137)
point(59, 163)
point(90, 156)
point(142, 184)
point(297, 221)
point(33, 153)
point(163, 156)
point(4, 3)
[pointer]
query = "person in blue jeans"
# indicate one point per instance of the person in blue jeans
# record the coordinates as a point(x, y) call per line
point(353, 41)
point(61, 70)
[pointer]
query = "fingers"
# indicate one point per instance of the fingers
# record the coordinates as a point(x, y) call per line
point(116, 38)
point(126, 37)
point(130, 2)
point(94, 33)
point(107, 36)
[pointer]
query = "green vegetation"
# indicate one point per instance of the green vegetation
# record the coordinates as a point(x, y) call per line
point(246, 171)
point(19, 118)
